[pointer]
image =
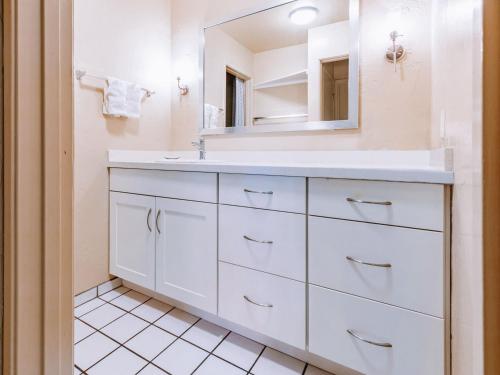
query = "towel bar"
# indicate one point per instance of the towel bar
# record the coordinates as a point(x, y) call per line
point(82, 73)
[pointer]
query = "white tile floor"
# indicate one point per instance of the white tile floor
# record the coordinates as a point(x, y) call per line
point(125, 332)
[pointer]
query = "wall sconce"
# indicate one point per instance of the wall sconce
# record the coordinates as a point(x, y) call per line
point(396, 53)
point(183, 89)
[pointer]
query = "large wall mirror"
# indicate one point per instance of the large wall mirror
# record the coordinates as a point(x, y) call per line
point(293, 67)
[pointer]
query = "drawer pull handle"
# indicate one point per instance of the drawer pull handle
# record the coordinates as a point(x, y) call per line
point(258, 192)
point(248, 299)
point(359, 337)
point(383, 265)
point(251, 239)
point(157, 221)
point(381, 203)
point(147, 219)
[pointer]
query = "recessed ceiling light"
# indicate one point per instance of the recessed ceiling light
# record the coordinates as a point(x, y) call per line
point(303, 15)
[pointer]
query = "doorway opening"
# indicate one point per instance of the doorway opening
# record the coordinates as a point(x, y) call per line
point(335, 90)
point(236, 98)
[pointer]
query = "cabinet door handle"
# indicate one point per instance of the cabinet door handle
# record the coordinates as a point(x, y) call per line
point(157, 220)
point(248, 299)
point(147, 219)
point(258, 192)
point(381, 203)
point(251, 239)
point(368, 341)
point(383, 265)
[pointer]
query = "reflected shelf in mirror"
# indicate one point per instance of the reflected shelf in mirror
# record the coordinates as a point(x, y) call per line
point(288, 80)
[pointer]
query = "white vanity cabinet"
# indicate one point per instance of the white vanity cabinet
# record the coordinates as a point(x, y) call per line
point(132, 238)
point(162, 241)
point(378, 294)
point(262, 255)
point(374, 338)
point(354, 272)
point(186, 252)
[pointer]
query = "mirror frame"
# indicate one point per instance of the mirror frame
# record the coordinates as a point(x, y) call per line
point(352, 121)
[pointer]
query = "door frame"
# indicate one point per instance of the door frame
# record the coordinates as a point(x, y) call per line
point(491, 186)
point(38, 187)
point(322, 88)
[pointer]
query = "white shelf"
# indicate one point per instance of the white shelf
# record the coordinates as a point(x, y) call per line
point(290, 79)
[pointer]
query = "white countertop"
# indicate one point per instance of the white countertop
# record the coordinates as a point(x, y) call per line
point(425, 166)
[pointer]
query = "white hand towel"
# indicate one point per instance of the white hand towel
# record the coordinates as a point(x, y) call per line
point(214, 121)
point(133, 100)
point(115, 97)
point(207, 114)
point(211, 116)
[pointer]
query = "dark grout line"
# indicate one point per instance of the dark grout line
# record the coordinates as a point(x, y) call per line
point(121, 295)
point(177, 337)
point(154, 321)
point(79, 341)
point(111, 338)
point(79, 368)
point(257, 359)
point(152, 364)
point(160, 353)
point(96, 296)
point(211, 352)
point(93, 308)
point(102, 300)
point(103, 358)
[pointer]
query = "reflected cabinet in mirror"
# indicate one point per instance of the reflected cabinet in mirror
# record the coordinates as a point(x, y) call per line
point(293, 67)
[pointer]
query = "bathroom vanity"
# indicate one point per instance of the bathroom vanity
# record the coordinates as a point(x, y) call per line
point(342, 265)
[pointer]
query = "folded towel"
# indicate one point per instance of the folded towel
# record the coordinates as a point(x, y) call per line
point(115, 94)
point(122, 99)
point(133, 100)
point(211, 116)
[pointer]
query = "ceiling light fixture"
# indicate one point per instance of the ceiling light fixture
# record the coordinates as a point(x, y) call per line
point(303, 15)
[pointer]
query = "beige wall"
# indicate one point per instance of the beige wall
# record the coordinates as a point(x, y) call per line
point(457, 105)
point(128, 39)
point(394, 107)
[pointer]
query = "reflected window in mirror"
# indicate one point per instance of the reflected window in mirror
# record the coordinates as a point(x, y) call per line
point(290, 67)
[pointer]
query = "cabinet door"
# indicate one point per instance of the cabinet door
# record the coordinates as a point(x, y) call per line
point(186, 252)
point(132, 238)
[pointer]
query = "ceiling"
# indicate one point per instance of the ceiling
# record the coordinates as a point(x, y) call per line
point(271, 29)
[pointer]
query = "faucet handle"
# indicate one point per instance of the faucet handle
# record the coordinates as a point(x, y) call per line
point(200, 143)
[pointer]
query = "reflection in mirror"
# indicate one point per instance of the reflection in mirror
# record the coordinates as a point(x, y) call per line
point(334, 91)
point(287, 65)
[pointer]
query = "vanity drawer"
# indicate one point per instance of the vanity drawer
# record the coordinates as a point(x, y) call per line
point(414, 279)
point(270, 192)
point(404, 204)
point(195, 186)
point(241, 290)
point(269, 241)
point(417, 340)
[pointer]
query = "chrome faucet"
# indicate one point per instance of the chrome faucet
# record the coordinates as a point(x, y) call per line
point(200, 145)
